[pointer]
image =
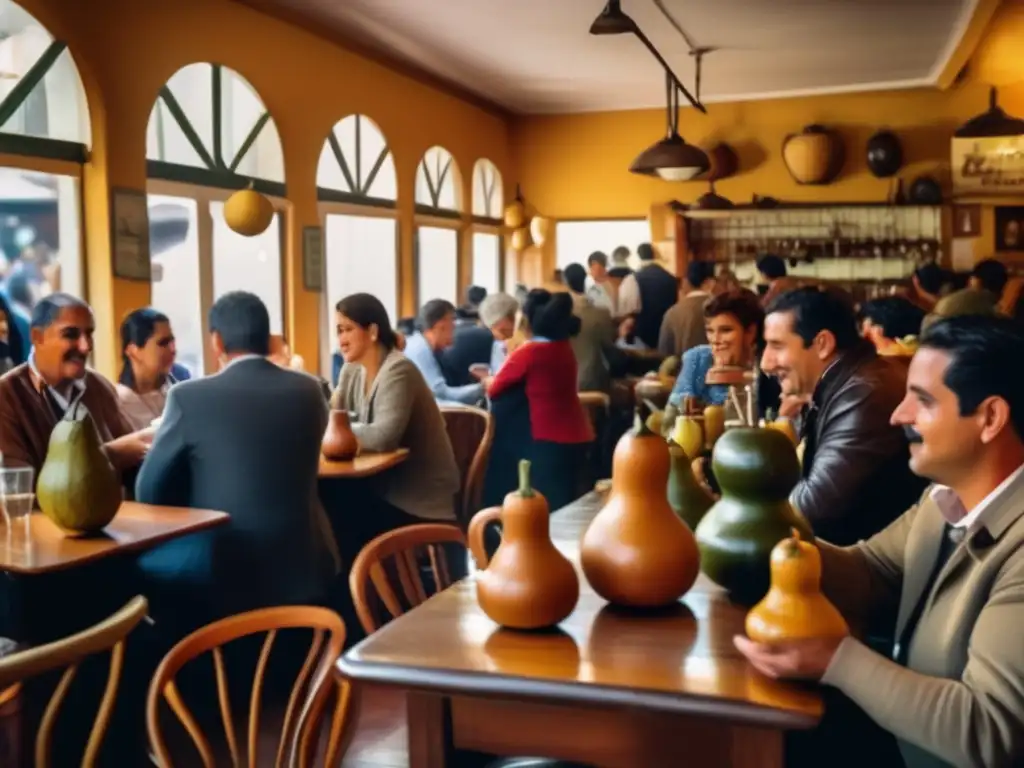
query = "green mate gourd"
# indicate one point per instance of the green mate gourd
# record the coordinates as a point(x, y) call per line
point(686, 496)
point(756, 469)
point(78, 488)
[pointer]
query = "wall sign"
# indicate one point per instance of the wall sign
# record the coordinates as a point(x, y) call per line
point(313, 258)
point(129, 234)
point(988, 166)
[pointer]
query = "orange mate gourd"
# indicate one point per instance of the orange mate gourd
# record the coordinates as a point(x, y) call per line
point(528, 584)
point(637, 552)
point(795, 608)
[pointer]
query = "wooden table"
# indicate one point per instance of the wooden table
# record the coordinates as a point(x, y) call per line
point(364, 465)
point(609, 688)
point(36, 546)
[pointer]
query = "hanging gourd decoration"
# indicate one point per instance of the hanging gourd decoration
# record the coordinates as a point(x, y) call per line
point(528, 584)
point(636, 552)
point(521, 239)
point(515, 214)
point(795, 608)
point(540, 229)
point(884, 154)
point(756, 470)
point(248, 212)
point(78, 488)
point(813, 156)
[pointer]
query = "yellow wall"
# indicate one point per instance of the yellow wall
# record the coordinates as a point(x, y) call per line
point(127, 49)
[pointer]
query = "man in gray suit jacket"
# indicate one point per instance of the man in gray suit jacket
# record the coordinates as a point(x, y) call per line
point(245, 441)
point(594, 346)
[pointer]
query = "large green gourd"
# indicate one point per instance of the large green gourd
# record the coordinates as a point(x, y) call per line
point(686, 496)
point(756, 470)
point(78, 488)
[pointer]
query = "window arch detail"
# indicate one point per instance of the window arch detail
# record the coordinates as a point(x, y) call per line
point(43, 108)
point(488, 195)
point(210, 127)
point(356, 165)
point(438, 184)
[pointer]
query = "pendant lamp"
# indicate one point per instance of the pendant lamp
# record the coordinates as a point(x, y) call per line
point(672, 158)
point(993, 123)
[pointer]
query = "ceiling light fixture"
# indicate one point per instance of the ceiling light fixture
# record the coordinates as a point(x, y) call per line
point(672, 158)
point(991, 124)
point(612, 21)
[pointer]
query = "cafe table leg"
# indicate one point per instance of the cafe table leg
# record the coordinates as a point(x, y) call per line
point(430, 730)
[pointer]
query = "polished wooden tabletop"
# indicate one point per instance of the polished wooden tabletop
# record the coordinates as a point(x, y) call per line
point(680, 660)
point(363, 465)
point(35, 545)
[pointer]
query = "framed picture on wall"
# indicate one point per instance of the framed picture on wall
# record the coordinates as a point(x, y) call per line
point(129, 234)
point(1009, 228)
point(966, 220)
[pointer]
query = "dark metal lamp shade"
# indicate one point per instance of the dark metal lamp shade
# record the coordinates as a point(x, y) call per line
point(613, 21)
point(672, 159)
point(993, 123)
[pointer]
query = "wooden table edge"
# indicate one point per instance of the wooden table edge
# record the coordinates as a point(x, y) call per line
point(395, 458)
point(494, 685)
point(216, 518)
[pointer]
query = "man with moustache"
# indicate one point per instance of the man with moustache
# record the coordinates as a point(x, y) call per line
point(855, 475)
point(35, 395)
point(948, 575)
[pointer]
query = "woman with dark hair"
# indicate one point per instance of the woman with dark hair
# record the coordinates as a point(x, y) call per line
point(13, 348)
point(543, 370)
point(147, 357)
point(393, 408)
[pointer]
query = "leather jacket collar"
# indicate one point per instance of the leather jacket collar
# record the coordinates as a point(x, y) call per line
point(838, 373)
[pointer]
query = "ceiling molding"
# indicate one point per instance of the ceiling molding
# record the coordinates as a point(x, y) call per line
point(964, 41)
point(376, 55)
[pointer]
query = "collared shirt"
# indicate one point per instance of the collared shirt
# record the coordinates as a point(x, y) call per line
point(600, 296)
point(422, 355)
point(949, 504)
point(77, 385)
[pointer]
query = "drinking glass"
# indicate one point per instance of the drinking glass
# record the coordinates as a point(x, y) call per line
point(16, 496)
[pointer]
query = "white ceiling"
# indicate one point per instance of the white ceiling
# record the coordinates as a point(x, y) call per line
point(536, 56)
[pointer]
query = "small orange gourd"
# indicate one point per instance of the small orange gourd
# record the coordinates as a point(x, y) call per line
point(794, 608)
point(637, 552)
point(528, 584)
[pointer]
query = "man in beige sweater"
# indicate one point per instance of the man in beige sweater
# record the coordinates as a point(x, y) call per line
point(947, 578)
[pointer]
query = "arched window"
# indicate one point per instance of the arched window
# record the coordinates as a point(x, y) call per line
point(208, 135)
point(438, 185)
point(438, 204)
point(357, 188)
point(356, 165)
point(488, 196)
point(43, 115)
point(488, 201)
point(209, 126)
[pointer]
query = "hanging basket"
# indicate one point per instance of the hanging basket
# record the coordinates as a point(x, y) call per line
point(521, 239)
point(813, 156)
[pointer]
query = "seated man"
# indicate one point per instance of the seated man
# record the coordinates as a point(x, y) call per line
point(948, 576)
point(35, 395)
point(247, 442)
point(436, 323)
point(855, 475)
point(480, 344)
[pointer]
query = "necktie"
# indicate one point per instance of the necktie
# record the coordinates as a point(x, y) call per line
point(951, 539)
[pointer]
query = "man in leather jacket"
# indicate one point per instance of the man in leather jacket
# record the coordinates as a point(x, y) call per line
point(856, 475)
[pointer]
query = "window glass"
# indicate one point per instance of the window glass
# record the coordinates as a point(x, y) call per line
point(438, 256)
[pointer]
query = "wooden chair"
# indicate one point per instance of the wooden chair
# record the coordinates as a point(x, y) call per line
point(69, 652)
point(471, 433)
point(302, 722)
point(393, 557)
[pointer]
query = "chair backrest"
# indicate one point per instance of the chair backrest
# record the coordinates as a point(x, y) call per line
point(387, 573)
point(471, 433)
point(69, 652)
point(313, 685)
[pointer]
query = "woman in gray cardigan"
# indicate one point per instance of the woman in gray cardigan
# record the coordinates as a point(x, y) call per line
point(393, 407)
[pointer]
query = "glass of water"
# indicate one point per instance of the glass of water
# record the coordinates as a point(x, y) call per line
point(16, 496)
